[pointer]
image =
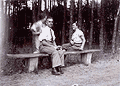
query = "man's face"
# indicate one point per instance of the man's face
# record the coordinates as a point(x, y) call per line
point(49, 22)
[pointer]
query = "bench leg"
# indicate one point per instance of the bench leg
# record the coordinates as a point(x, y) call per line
point(32, 64)
point(86, 58)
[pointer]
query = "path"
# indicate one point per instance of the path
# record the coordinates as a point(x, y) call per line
point(101, 73)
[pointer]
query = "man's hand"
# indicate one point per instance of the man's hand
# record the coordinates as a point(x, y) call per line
point(58, 47)
point(55, 47)
point(72, 42)
point(81, 48)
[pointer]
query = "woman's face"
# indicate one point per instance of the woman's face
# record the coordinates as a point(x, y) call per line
point(44, 20)
point(74, 26)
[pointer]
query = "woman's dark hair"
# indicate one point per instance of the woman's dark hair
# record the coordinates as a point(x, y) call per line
point(42, 16)
point(49, 17)
point(76, 23)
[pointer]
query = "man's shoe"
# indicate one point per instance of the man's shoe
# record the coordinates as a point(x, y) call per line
point(54, 72)
point(60, 70)
point(36, 71)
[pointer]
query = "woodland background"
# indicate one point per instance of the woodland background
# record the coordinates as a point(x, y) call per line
point(100, 23)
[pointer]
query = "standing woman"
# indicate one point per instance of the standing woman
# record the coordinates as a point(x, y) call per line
point(36, 30)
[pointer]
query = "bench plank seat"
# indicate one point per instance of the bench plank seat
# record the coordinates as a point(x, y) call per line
point(31, 55)
point(83, 51)
point(32, 63)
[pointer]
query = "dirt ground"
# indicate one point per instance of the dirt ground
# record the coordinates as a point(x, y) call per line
point(104, 71)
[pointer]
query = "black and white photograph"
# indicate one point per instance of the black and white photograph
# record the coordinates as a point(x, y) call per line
point(59, 42)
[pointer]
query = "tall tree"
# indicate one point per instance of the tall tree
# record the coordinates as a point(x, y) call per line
point(54, 2)
point(98, 19)
point(39, 8)
point(80, 14)
point(92, 24)
point(71, 18)
point(50, 4)
point(118, 34)
point(115, 30)
point(45, 4)
point(3, 36)
point(33, 12)
point(101, 38)
point(64, 22)
point(26, 15)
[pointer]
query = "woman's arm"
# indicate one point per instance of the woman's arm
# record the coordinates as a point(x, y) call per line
point(83, 42)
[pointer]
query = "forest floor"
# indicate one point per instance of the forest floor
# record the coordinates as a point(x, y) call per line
point(103, 71)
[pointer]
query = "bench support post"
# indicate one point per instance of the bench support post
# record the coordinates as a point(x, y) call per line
point(86, 58)
point(32, 64)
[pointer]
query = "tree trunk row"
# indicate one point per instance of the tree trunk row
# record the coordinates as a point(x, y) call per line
point(115, 40)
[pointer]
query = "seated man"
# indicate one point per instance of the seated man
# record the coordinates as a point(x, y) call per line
point(48, 45)
point(77, 41)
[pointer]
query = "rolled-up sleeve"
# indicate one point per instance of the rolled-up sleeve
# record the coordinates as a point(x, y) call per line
point(33, 27)
point(53, 35)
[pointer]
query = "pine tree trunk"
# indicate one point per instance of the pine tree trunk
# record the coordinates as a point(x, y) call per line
point(118, 35)
point(26, 15)
point(9, 39)
point(54, 2)
point(64, 21)
point(39, 8)
point(102, 27)
point(17, 14)
point(80, 14)
point(45, 4)
point(3, 38)
point(92, 24)
point(33, 12)
point(5, 7)
point(71, 18)
point(87, 21)
point(115, 31)
point(50, 4)
point(98, 20)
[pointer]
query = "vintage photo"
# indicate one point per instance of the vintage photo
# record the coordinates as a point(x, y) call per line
point(60, 43)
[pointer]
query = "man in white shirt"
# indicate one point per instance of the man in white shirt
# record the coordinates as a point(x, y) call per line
point(36, 30)
point(77, 41)
point(48, 45)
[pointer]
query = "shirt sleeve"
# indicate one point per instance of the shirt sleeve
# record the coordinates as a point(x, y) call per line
point(53, 35)
point(36, 26)
point(80, 33)
point(33, 27)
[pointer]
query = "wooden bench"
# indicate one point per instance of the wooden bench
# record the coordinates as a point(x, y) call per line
point(86, 56)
